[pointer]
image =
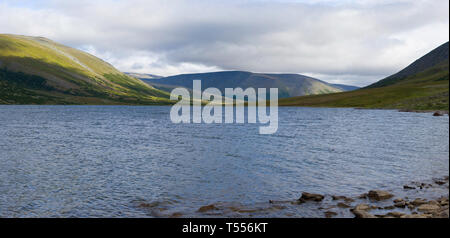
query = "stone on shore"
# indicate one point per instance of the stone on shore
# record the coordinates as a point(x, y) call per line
point(442, 213)
point(443, 201)
point(362, 207)
point(362, 214)
point(400, 204)
point(416, 216)
point(388, 207)
point(395, 214)
point(176, 215)
point(428, 208)
point(379, 195)
point(329, 214)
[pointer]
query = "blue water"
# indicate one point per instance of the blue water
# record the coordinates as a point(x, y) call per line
point(106, 161)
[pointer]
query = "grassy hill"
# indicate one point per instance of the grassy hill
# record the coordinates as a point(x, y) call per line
point(423, 85)
point(288, 85)
point(36, 70)
point(434, 58)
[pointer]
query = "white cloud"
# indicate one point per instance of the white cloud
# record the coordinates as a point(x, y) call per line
point(354, 42)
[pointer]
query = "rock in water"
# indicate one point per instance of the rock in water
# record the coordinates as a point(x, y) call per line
point(343, 205)
point(176, 215)
point(330, 214)
point(418, 202)
point(439, 182)
point(408, 187)
point(207, 208)
point(311, 197)
point(379, 195)
point(346, 199)
point(438, 114)
point(398, 200)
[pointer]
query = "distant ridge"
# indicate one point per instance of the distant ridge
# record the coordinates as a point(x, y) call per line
point(143, 76)
point(288, 84)
point(345, 87)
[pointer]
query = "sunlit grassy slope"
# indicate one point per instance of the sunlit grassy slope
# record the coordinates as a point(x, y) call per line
point(421, 86)
point(35, 70)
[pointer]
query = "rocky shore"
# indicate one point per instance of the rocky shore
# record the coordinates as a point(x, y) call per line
point(373, 204)
point(413, 208)
point(435, 113)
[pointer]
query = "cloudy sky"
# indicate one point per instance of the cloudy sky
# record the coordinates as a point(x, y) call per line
point(349, 41)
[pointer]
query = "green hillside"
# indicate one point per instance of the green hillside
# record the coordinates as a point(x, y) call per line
point(423, 85)
point(35, 70)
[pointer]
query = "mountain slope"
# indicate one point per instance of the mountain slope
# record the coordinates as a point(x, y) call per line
point(430, 60)
point(143, 76)
point(424, 85)
point(344, 87)
point(38, 70)
point(288, 84)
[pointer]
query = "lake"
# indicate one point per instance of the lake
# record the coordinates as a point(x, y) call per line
point(132, 161)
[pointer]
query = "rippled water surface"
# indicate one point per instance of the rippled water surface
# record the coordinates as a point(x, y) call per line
point(120, 161)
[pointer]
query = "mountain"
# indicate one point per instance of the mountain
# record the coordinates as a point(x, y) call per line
point(143, 76)
point(434, 58)
point(344, 87)
point(288, 85)
point(423, 85)
point(36, 70)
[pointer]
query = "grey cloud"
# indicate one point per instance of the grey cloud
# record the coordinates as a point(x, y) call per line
point(359, 39)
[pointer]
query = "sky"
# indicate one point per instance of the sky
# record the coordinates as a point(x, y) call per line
point(348, 41)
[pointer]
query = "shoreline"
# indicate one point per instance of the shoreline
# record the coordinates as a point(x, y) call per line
point(373, 204)
point(443, 112)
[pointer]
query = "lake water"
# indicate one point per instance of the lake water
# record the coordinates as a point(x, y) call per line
point(125, 161)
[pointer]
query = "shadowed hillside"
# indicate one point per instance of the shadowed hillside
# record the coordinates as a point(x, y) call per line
point(434, 58)
point(424, 85)
point(288, 84)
